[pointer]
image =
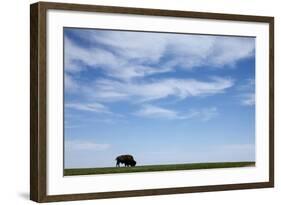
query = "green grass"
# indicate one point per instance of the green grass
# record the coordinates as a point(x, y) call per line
point(154, 168)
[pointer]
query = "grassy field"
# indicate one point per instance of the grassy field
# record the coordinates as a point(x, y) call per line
point(153, 168)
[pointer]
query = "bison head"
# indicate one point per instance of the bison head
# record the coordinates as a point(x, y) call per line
point(133, 163)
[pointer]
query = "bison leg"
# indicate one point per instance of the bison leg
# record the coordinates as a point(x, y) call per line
point(117, 164)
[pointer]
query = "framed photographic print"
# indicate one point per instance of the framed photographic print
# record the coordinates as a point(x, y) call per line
point(136, 102)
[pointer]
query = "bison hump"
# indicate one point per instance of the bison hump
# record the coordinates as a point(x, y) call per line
point(125, 157)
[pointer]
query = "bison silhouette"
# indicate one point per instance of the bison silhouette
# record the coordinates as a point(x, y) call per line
point(128, 160)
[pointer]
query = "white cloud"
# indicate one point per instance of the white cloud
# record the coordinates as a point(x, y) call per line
point(111, 90)
point(156, 112)
point(93, 107)
point(85, 145)
point(70, 84)
point(88, 56)
point(247, 93)
point(229, 50)
point(129, 45)
point(207, 114)
point(96, 58)
point(134, 54)
point(248, 99)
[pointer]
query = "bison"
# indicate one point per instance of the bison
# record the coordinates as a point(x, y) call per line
point(128, 160)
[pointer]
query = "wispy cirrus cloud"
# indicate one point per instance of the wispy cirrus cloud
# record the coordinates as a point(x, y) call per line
point(248, 99)
point(77, 58)
point(156, 112)
point(85, 145)
point(247, 93)
point(151, 111)
point(111, 90)
point(207, 114)
point(219, 50)
point(92, 107)
point(130, 55)
point(70, 85)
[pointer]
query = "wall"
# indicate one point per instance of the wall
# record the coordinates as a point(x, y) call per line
point(14, 103)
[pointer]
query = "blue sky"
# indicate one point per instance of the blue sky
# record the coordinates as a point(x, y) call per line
point(162, 97)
